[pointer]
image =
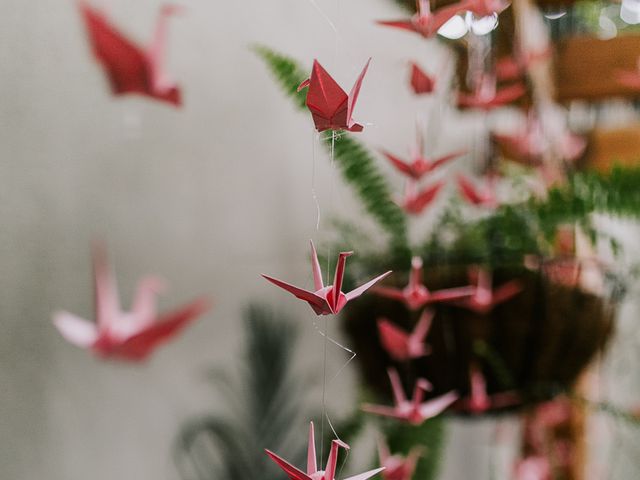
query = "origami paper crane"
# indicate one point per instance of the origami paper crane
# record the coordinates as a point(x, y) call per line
point(413, 411)
point(398, 467)
point(485, 298)
point(421, 83)
point(424, 22)
point(131, 68)
point(484, 8)
point(484, 196)
point(420, 165)
point(328, 300)
point(312, 469)
point(416, 295)
point(403, 346)
point(479, 401)
point(132, 335)
point(331, 108)
point(488, 97)
point(415, 202)
point(527, 146)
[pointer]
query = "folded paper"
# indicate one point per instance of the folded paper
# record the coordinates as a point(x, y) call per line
point(425, 22)
point(131, 68)
point(480, 196)
point(421, 83)
point(415, 201)
point(328, 300)
point(403, 346)
point(398, 467)
point(416, 295)
point(330, 106)
point(312, 473)
point(485, 298)
point(413, 411)
point(131, 335)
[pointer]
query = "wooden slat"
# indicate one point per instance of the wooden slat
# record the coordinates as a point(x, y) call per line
point(610, 147)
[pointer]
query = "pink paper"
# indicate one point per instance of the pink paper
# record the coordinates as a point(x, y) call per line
point(132, 335)
point(479, 401)
point(413, 411)
point(403, 346)
point(312, 469)
point(416, 295)
point(131, 68)
point(398, 467)
point(480, 196)
point(415, 201)
point(486, 298)
point(424, 22)
point(328, 300)
point(421, 83)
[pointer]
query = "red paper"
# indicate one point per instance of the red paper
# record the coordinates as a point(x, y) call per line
point(485, 298)
point(312, 469)
point(129, 67)
point(421, 83)
point(416, 295)
point(487, 96)
point(413, 411)
point(403, 346)
point(414, 202)
point(513, 67)
point(424, 22)
point(398, 467)
point(132, 335)
point(327, 300)
point(330, 106)
point(420, 165)
point(484, 196)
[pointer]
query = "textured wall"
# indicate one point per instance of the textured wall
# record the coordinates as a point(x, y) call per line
point(209, 197)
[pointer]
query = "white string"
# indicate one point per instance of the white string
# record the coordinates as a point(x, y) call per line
point(314, 139)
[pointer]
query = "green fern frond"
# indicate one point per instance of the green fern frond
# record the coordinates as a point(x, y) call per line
point(356, 164)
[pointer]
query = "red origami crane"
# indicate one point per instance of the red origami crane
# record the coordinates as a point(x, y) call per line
point(485, 298)
point(129, 67)
point(420, 165)
point(414, 202)
point(421, 83)
point(403, 346)
point(481, 197)
point(330, 106)
point(132, 335)
point(416, 295)
point(424, 22)
point(327, 300)
point(488, 97)
point(413, 411)
point(526, 146)
point(479, 401)
point(397, 467)
point(312, 469)
point(484, 8)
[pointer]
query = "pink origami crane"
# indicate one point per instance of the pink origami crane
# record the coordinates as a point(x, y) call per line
point(424, 22)
point(416, 295)
point(420, 165)
point(403, 346)
point(526, 146)
point(132, 335)
point(328, 300)
point(485, 298)
point(312, 469)
point(484, 8)
point(129, 67)
point(421, 83)
point(397, 467)
point(414, 202)
point(484, 196)
point(413, 411)
point(331, 108)
point(479, 401)
point(488, 97)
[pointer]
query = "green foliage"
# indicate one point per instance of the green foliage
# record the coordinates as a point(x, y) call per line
point(356, 164)
point(265, 405)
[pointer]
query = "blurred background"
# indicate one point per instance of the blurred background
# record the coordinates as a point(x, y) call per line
point(235, 183)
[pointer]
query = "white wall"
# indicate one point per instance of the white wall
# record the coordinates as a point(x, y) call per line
point(209, 196)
